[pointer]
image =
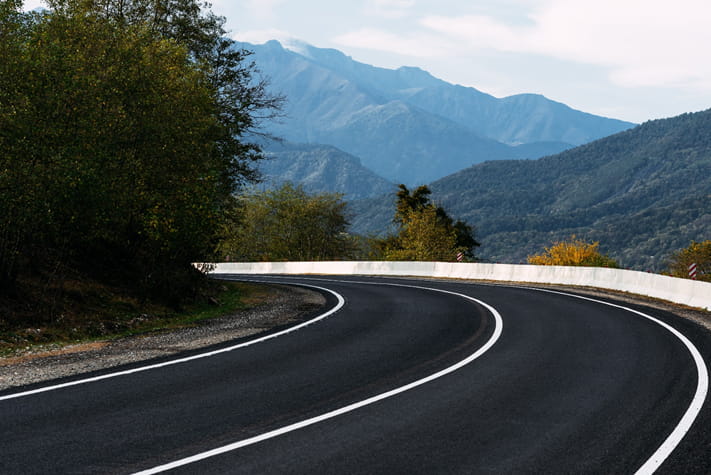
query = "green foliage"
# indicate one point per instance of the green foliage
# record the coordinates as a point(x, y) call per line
point(408, 203)
point(424, 238)
point(573, 252)
point(698, 253)
point(288, 224)
point(426, 232)
point(644, 193)
point(121, 140)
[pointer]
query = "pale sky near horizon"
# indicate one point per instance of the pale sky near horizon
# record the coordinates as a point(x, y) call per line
point(634, 60)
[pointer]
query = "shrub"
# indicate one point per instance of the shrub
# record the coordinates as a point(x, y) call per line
point(573, 252)
point(698, 253)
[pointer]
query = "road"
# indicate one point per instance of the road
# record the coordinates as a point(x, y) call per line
point(404, 376)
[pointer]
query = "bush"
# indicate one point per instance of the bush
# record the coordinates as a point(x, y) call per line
point(287, 224)
point(574, 252)
point(698, 253)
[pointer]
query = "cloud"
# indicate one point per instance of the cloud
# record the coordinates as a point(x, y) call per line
point(262, 36)
point(32, 4)
point(641, 42)
point(422, 46)
point(260, 8)
point(389, 8)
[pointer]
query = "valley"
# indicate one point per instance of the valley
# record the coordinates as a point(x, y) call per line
point(523, 170)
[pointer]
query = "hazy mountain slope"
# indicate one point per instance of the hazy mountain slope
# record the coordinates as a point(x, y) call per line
point(406, 120)
point(434, 145)
point(317, 98)
point(523, 118)
point(526, 118)
point(643, 193)
point(321, 168)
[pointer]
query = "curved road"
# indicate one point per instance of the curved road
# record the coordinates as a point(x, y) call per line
point(404, 376)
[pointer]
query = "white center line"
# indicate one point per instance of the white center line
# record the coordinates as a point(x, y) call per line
point(352, 407)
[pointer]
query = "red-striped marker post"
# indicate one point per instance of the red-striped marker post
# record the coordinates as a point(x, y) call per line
point(692, 270)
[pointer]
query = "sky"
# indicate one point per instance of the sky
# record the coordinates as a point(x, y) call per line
point(634, 60)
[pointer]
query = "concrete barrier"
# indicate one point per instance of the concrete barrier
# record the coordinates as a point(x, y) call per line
point(683, 291)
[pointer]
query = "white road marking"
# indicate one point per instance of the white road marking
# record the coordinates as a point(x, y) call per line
point(352, 407)
point(649, 467)
point(697, 402)
point(339, 305)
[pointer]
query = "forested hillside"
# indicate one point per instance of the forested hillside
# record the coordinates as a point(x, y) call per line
point(642, 193)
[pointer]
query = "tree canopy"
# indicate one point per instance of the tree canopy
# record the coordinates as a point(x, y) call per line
point(426, 232)
point(288, 224)
point(698, 253)
point(124, 132)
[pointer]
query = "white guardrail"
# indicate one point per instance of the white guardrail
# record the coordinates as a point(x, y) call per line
point(683, 291)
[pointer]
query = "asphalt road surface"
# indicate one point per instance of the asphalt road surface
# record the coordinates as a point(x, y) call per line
point(401, 376)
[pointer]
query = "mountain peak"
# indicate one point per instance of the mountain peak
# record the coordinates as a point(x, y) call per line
point(297, 46)
point(405, 123)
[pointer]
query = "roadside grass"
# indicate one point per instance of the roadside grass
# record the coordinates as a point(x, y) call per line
point(86, 312)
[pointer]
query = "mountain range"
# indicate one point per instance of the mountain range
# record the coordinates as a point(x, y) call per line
point(321, 168)
point(406, 125)
point(643, 193)
point(524, 170)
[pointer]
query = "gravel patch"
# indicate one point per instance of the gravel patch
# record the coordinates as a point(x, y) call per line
point(285, 305)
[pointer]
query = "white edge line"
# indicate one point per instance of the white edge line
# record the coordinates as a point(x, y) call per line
point(682, 428)
point(673, 440)
point(341, 302)
point(352, 407)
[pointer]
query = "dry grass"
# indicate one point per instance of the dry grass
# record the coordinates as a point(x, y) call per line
point(85, 311)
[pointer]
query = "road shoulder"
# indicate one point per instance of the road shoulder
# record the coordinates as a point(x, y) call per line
point(286, 305)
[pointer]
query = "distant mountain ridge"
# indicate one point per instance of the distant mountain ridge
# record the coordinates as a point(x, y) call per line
point(405, 124)
point(321, 168)
point(642, 193)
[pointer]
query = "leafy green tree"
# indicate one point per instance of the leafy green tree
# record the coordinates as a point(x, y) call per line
point(122, 139)
point(242, 101)
point(424, 238)
point(573, 252)
point(426, 232)
point(288, 224)
point(411, 202)
point(698, 253)
point(15, 190)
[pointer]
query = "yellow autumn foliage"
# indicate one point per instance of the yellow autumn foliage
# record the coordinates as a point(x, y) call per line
point(573, 252)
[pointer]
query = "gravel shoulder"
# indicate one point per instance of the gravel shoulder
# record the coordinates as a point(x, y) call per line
point(285, 305)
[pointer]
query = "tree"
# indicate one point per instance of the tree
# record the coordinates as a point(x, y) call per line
point(122, 138)
point(16, 207)
point(242, 101)
point(424, 238)
point(411, 202)
point(427, 232)
point(288, 224)
point(574, 252)
point(698, 253)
